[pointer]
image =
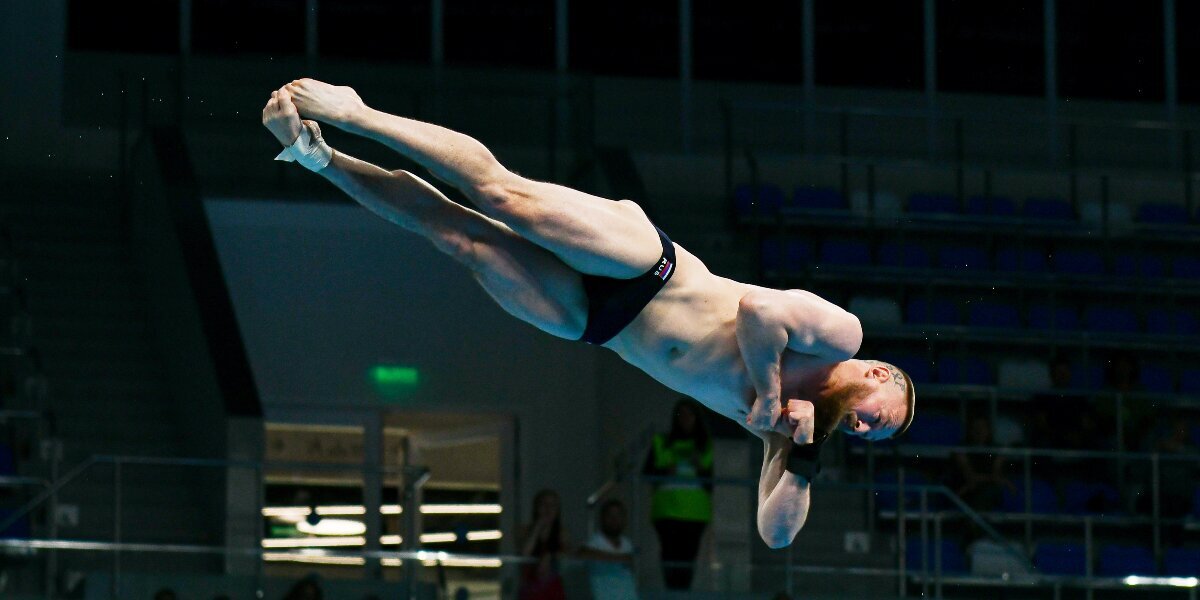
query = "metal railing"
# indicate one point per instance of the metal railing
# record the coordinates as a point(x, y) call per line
point(929, 575)
point(1123, 462)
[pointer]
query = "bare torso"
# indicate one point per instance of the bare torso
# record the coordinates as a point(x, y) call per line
point(686, 339)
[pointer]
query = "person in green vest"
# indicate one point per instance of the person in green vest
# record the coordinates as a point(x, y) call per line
point(681, 508)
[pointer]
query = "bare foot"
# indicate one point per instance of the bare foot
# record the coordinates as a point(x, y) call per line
point(332, 104)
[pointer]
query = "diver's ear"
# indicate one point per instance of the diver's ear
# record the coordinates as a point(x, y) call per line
point(879, 373)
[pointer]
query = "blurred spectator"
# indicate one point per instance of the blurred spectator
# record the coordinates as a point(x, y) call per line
point(681, 508)
point(1053, 410)
point(546, 540)
point(165, 594)
point(978, 476)
point(8, 385)
point(1177, 478)
point(1122, 376)
point(308, 588)
point(610, 573)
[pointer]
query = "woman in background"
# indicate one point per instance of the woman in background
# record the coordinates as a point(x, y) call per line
point(545, 540)
point(681, 509)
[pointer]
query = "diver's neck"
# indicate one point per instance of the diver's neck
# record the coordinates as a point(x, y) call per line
point(823, 382)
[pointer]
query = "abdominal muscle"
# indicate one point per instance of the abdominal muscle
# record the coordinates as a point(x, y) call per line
point(686, 338)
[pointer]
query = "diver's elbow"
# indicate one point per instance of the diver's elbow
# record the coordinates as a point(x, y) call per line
point(779, 537)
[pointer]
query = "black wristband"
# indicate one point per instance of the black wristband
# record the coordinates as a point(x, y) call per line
point(804, 459)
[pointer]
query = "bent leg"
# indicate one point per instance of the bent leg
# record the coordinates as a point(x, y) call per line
point(527, 281)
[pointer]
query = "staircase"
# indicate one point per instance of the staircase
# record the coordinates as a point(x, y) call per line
point(105, 385)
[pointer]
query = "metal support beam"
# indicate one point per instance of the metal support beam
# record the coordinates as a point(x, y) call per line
point(310, 33)
point(808, 49)
point(1171, 79)
point(930, 39)
point(1050, 54)
point(437, 44)
point(685, 73)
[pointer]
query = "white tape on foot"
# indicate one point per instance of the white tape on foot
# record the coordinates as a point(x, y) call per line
point(309, 149)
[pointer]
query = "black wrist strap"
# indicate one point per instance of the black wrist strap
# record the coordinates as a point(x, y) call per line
point(804, 459)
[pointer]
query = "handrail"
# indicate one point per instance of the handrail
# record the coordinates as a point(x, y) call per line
point(982, 335)
point(97, 459)
point(944, 114)
point(21, 414)
point(929, 277)
point(437, 556)
point(918, 449)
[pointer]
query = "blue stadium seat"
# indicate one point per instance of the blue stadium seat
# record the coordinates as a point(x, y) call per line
point(1048, 209)
point(845, 253)
point(1090, 498)
point(1186, 267)
point(1087, 377)
point(814, 198)
point(792, 254)
point(918, 555)
point(1078, 262)
point(934, 429)
point(1171, 322)
point(993, 314)
point(910, 255)
point(1044, 317)
point(1189, 383)
point(992, 206)
point(1139, 265)
point(886, 499)
point(1156, 379)
point(1027, 260)
point(8, 460)
point(966, 371)
point(18, 530)
point(915, 365)
point(765, 200)
point(933, 204)
point(1162, 213)
point(937, 311)
point(1042, 497)
point(1110, 319)
point(1120, 560)
point(1060, 559)
point(1195, 498)
point(1181, 562)
point(968, 258)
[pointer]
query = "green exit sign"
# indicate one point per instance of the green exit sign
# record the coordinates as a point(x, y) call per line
point(394, 382)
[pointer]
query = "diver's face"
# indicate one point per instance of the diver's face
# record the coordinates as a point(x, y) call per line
point(877, 413)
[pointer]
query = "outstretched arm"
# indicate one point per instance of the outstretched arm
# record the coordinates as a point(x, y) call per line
point(783, 496)
point(455, 158)
point(771, 321)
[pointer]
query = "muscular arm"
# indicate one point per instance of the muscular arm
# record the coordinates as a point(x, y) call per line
point(783, 497)
point(771, 321)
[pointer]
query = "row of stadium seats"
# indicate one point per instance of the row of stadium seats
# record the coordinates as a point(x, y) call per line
point(1076, 497)
point(1040, 316)
point(1096, 318)
point(1114, 560)
point(1056, 558)
point(769, 200)
point(795, 254)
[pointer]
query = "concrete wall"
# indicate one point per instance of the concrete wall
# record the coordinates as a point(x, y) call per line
point(323, 292)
